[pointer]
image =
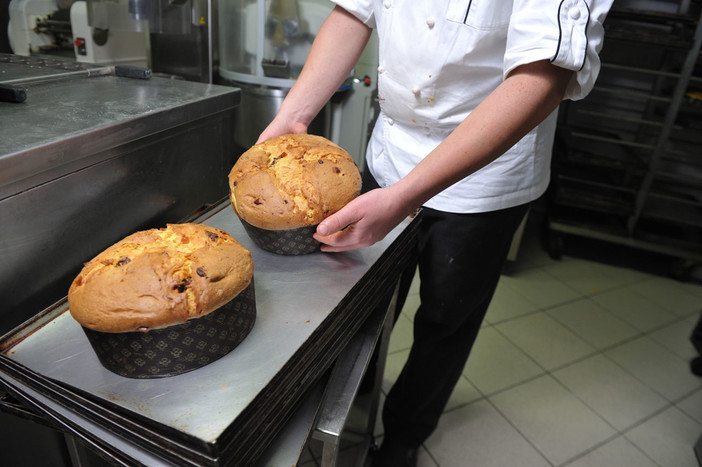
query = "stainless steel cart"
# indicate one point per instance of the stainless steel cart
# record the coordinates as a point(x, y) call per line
point(310, 308)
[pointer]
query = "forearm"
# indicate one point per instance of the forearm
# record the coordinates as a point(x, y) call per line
point(520, 103)
point(335, 51)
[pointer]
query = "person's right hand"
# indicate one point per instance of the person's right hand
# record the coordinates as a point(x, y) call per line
point(281, 126)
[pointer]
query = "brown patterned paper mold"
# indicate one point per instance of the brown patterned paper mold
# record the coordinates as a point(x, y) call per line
point(165, 301)
point(177, 349)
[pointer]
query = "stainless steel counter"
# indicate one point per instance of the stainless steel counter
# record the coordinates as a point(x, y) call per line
point(308, 307)
point(75, 117)
point(84, 161)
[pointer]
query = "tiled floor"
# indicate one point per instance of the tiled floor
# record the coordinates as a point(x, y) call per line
point(579, 363)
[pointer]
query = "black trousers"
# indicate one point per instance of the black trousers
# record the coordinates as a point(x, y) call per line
point(460, 258)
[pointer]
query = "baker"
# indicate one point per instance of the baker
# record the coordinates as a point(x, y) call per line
point(468, 91)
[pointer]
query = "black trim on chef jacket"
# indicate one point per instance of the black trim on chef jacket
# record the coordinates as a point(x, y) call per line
point(560, 33)
point(465, 18)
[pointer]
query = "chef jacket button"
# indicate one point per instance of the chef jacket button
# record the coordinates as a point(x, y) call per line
point(388, 3)
point(415, 90)
point(381, 69)
point(574, 13)
point(391, 121)
point(427, 130)
point(431, 22)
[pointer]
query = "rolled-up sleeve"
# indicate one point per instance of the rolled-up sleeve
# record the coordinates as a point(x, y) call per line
point(569, 33)
point(361, 9)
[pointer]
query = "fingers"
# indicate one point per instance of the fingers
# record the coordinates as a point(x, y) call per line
point(268, 133)
point(340, 232)
point(344, 217)
point(332, 234)
point(280, 127)
point(356, 225)
point(333, 224)
point(345, 240)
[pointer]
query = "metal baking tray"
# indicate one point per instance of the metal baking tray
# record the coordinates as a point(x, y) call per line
point(284, 450)
point(308, 308)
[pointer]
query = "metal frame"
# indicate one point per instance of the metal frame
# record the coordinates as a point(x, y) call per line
point(342, 392)
point(625, 213)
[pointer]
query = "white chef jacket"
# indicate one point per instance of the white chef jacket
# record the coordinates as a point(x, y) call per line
point(440, 58)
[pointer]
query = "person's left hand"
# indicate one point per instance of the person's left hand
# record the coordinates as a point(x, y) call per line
point(362, 222)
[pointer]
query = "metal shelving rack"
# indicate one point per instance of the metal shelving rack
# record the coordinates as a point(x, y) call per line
point(627, 161)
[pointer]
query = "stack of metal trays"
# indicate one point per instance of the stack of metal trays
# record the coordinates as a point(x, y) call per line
point(226, 413)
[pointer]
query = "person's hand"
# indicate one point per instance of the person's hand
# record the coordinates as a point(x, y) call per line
point(281, 126)
point(364, 221)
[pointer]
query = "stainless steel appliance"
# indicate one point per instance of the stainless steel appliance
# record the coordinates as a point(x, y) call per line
point(263, 45)
point(39, 26)
point(178, 36)
point(172, 37)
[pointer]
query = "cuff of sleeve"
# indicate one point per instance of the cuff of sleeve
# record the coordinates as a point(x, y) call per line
point(362, 10)
point(567, 38)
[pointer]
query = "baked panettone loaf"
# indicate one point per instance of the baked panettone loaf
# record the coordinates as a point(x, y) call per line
point(292, 181)
point(160, 277)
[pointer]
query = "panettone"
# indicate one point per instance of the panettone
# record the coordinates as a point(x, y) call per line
point(292, 181)
point(158, 278)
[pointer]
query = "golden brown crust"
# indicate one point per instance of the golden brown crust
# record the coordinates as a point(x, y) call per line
point(160, 277)
point(292, 181)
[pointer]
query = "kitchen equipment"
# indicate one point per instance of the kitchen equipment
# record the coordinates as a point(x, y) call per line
point(103, 44)
point(172, 37)
point(263, 45)
point(39, 26)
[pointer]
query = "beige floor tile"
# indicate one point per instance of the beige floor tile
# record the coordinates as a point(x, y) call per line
point(621, 275)
point(477, 435)
point(676, 338)
point(592, 323)
point(668, 438)
point(619, 452)
point(540, 288)
point(638, 311)
point(545, 340)
point(495, 363)
point(507, 303)
point(669, 295)
point(554, 420)
point(692, 406)
point(656, 366)
point(694, 287)
point(583, 276)
point(612, 392)
point(464, 393)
